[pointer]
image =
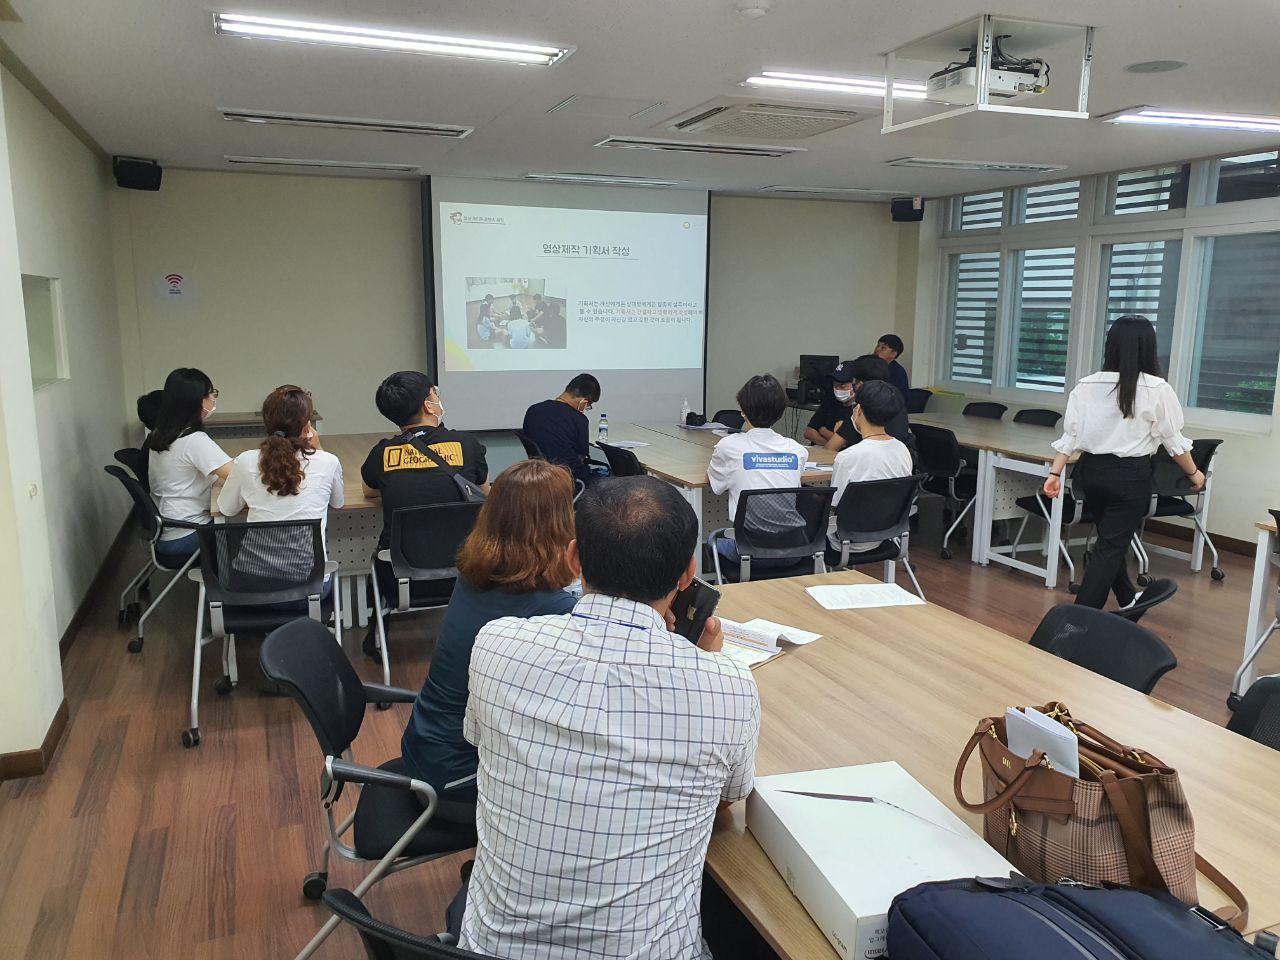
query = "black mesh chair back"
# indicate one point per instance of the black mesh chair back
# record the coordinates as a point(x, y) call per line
point(531, 448)
point(1169, 480)
point(782, 524)
point(730, 418)
point(136, 460)
point(1275, 518)
point(937, 451)
point(145, 515)
point(1106, 644)
point(918, 399)
point(1258, 715)
point(876, 510)
point(622, 462)
point(425, 540)
point(985, 408)
point(1155, 593)
point(1037, 417)
point(249, 564)
point(304, 659)
point(382, 941)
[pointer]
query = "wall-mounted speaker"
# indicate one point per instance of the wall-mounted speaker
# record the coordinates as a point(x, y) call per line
point(907, 209)
point(136, 173)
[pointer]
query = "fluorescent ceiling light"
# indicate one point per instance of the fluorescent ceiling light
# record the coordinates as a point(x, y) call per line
point(336, 164)
point(833, 191)
point(859, 86)
point(1211, 121)
point(347, 123)
point(602, 178)
point(998, 166)
point(693, 146)
point(302, 31)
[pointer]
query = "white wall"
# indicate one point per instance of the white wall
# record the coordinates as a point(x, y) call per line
point(30, 674)
point(60, 194)
point(798, 276)
point(308, 280)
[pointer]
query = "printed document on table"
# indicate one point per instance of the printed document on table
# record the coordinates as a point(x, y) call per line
point(793, 635)
point(629, 444)
point(862, 596)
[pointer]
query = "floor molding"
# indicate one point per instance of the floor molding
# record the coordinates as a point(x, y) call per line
point(32, 763)
point(105, 571)
point(1223, 543)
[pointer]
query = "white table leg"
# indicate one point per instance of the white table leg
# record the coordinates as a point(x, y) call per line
point(694, 496)
point(983, 507)
point(1197, 539)
point(1258, 593)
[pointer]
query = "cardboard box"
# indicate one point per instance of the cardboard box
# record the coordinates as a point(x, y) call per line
point(847, 854)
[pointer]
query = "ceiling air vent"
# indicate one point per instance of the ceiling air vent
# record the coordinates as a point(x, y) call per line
point(446, 130)
point(990, 166)
point(768, 121)
point(692, 146)
point(853, 193)
point(326, 164)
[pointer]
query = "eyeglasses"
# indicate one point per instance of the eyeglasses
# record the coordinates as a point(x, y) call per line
point(214, 393)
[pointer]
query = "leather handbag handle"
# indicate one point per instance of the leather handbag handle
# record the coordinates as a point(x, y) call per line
point(1237, 917)
point(1005, 796)
point(1059, 710)
point(1143, 871)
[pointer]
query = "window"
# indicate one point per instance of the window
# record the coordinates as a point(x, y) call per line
point(1251, 176)
point(975, 286)
point(44, 330)
point(1049, 201)
point(1238, 330)
point(1142, 278)
point(1042, 317)
point(980, 211)
point(1149, 191)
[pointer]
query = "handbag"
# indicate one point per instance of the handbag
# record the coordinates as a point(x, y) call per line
point(1125, 821)
point(470, 492)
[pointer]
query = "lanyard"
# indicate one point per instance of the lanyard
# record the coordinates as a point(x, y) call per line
point(620, 623)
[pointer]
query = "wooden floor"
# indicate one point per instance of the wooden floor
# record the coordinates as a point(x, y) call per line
point(131, 846)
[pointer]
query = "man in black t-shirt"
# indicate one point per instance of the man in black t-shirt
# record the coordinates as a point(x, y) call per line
point(559, 427)
point(865, 369)
point(835, 406)
point(397, 472)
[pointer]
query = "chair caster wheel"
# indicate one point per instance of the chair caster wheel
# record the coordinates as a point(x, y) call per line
point(223, 686)
point(314, 885)
point(945, 553)
point(1144, 580)
point(384, 706)
point(191, 738)
point(1217, 574)
point(1073, 588)
point(370, 645)
point(135, 645)
point(1233, 701)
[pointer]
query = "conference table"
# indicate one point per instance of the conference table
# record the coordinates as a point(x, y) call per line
point(910, 684)
point(1261, 605)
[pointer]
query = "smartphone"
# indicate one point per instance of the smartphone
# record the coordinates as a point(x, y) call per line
point(691, 608)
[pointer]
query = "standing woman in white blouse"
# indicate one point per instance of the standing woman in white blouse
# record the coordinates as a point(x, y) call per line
point(1116, 419)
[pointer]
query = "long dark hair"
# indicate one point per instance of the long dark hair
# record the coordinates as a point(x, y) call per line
point(182, 409)
point(1130, 351)
point(287, 413)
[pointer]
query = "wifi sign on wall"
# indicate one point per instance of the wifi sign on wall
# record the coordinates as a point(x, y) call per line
point(173, 286)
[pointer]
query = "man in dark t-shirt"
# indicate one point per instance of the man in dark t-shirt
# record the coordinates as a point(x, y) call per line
point(864, 370)
point(889, 348)
point(836, 406)
point(401, 475)
point(559, 427)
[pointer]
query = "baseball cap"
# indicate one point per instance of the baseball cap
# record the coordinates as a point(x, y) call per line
point(843, 373)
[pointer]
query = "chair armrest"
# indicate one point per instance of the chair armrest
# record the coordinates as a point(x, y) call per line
point(344, 771)
point(381, 693)
point(183, 524)
point(194, 575)
point(596, 463)
point(330, 567)
point(384, 556)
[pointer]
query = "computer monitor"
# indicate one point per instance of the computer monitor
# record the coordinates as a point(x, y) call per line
point(815, 376)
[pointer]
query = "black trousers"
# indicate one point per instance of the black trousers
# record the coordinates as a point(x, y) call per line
point(1117, 492)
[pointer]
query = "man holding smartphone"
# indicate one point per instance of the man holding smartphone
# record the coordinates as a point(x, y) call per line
point(606, 745)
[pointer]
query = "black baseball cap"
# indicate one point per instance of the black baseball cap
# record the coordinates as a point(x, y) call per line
point(843, 373)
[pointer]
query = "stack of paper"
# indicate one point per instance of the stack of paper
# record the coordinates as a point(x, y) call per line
point(862, 596)
point(1030, 730)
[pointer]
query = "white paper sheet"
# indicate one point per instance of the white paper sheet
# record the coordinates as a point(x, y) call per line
point(862, 596)
point(790, 634)
point(629, 444)
point(747, 656)
point(1031, 730)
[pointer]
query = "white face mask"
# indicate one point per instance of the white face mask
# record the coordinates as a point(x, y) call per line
point(440, 414)
point(844, 396)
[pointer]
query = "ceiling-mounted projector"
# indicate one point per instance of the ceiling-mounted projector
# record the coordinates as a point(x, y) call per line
point(1010, 77)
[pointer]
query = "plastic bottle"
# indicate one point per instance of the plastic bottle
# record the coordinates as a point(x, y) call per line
point(684, 411)
point(602, 429)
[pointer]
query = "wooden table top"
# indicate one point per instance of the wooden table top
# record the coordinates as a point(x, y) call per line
point(1025, 440)
point(1267, 525)
point(349, 448)
point(910, 684)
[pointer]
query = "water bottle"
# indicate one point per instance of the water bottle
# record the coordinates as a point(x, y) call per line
point(684, 411)
point(602, 430)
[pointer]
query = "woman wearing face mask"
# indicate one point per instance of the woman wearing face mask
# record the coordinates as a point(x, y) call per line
point(184, 464)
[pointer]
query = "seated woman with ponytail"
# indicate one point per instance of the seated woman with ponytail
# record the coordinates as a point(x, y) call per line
point(288, 477)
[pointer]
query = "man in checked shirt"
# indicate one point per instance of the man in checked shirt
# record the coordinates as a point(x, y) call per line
point(606, 744)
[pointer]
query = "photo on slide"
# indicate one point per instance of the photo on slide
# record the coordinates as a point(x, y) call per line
point(514, 313)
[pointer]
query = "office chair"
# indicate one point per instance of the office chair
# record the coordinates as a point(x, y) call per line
point(382, 941)
point(877, 510)
point(1156, 593)
point(531, 449)
point(985, 408)
point(135, 459)
point(392, 820)
point(256, 577)
point(1171, 496)
point(622, 462)
point(1233, 699)
point(1073, 514)
point(787, 525)
point(138, 589)
point(946, 476)
point(1106, 644)
point(149, 526)
point(918, 400)
point(732, 419)
point(424, 546)
point(1258, 714)
point(1038, 418)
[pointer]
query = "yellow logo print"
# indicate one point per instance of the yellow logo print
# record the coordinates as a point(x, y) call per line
point(406, 456)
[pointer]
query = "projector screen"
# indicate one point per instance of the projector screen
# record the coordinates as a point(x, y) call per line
point(537, 283)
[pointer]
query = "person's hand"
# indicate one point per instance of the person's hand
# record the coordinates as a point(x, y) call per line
point(1197, 481)
point(1052, 486)
point(712, 639)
